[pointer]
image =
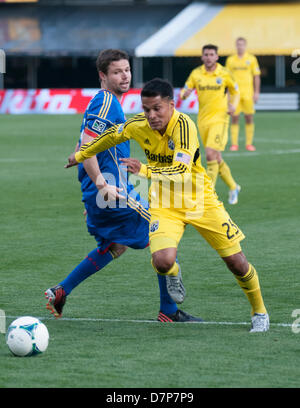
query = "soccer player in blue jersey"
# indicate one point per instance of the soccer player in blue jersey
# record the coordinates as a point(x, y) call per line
point(125, 223)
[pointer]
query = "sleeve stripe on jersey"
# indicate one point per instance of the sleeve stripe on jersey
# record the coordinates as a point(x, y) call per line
point(187, 133)
point(108, 106)
point(171, 171)
point(155, 169)
point(108, 132)
point(181, 141)
point(184, 133)
point(105, 105)
point(134, 119)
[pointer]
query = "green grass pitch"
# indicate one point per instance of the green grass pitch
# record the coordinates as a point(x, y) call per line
point(104, 339)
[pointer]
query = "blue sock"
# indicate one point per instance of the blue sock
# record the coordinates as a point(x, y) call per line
point(91, 264)
point(167, 305)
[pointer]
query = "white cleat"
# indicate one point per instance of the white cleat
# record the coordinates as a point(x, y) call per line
point(234, 194)
point(260, 323)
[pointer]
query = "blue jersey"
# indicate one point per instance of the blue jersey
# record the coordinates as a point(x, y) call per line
point(127, 225)
point(103, 111)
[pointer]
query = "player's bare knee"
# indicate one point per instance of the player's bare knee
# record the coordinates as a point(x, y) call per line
point(163, 262)
point(219, 157)
point(212, 154)
point(249, 119)
point(163, 265)
point(235, 119)
point(237, 263)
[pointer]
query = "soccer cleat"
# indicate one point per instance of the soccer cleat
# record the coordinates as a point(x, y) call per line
point(260, 323)
point(250, 148)
point(175, 287)
point(179, 316)
point(56, 300)
point(234, 148)
point(234, 194)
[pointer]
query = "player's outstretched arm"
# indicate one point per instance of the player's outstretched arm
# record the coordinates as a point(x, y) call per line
point(113, 136)
point(185, 93)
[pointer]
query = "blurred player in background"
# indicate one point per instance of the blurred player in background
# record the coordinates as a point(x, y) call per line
point(245, 70)
point(212, 82)
point(173, 156)
point(125, 223)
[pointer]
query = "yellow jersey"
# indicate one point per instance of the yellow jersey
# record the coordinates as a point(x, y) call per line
point(243, 70)
point(212, 89)
point(173, 160)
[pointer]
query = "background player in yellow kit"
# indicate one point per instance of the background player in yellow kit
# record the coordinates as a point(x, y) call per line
point(169, 139)
point(245, 70)
point(213, 83)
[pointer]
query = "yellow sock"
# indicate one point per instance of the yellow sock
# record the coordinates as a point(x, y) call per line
point(249, 130)
point(250, 285)
point(213, 170)
point(173, 271)
point(234, 131)
point(226, 176)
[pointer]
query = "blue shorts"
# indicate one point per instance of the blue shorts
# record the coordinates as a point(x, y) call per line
point(127, 226)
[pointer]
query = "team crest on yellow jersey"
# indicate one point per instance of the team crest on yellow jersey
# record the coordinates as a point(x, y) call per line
point(171, 144)
point(154, 226)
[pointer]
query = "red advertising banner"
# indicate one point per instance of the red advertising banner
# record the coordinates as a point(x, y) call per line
point(72, 101)
point(19, 1)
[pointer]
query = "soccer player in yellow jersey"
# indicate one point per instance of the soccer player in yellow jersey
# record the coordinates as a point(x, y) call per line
point(245, 70)
point(181, 193)
point(213, 83)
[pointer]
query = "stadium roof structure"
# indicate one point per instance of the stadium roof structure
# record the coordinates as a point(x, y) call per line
point(270, 29)
point(79, 30)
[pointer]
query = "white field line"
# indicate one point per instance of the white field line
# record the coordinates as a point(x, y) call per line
point(92, 319)
point(279, 141)
point(23, 160)
point(257, 153)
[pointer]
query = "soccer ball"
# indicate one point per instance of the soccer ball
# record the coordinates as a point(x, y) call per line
point(27, 336)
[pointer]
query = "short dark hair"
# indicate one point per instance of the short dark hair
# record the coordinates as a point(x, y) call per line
point(210, 47)
point(158, 87)
point(106, 57)
point(241, 39)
